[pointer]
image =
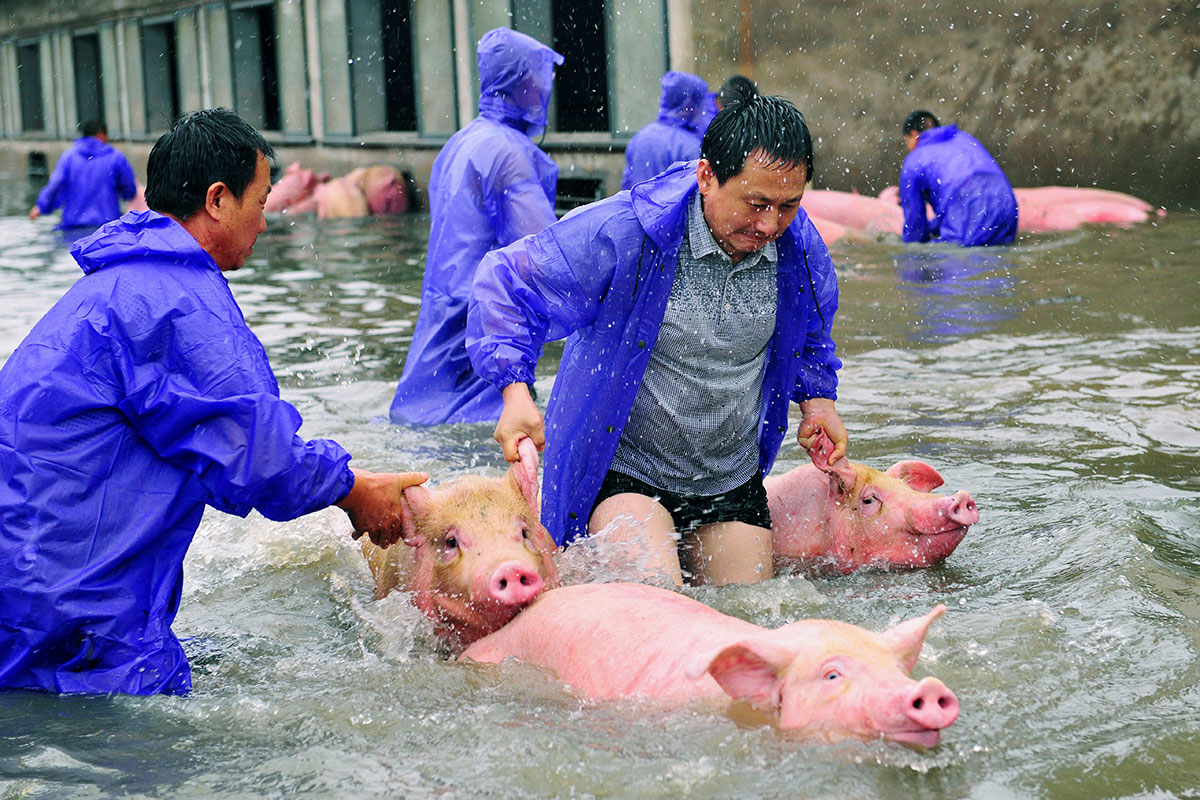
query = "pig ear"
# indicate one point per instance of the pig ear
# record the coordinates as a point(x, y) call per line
point(842, 470)
point(525, 474)
point(416, 502)
point(750, 671)
point(905, 639)
point(918, 475)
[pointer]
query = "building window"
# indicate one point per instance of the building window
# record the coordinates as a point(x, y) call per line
point(159, 65)
point(381, 65)
point(256, 66)
point(89, 92)
point(581, 83)
point(29, 78)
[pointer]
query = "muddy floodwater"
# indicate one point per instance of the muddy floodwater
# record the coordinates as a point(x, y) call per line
point(1057, 380)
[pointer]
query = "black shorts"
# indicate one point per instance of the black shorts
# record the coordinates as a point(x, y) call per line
point(746, 503)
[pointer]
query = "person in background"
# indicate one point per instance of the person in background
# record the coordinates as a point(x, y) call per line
point(972, 201)
point(490, 185)
point(137, 400)
point(675, 136)
point(699, 304)
point(88, 183)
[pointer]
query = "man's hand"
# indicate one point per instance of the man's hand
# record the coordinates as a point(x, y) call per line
point(820, 413)
point(35, 212)
point(375, 503)
point(520, 418)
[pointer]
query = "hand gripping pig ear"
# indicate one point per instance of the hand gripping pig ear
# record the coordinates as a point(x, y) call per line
point(415, 502)
point(525, 473)
point(843, 470)
point(748, 670)
point(906, 639)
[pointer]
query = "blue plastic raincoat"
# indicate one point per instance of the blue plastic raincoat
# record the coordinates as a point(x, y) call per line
point(490, 186)
point(972, 200)
point(683, 116)
point(138, 399)
point(602, 276)
point(88, 183)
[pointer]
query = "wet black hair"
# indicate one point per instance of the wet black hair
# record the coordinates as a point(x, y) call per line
point(760, 122)
point(738, 87)
point(93, 127)
point(919, 121)
point(210, 146)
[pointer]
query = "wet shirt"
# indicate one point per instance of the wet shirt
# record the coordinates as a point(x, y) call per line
point(602, 277)
point(139, 399)
point(88, 183)
point(694, 421)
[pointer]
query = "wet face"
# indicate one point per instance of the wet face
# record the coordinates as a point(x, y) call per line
point(753, 207)
point(910, 140)
point(241, 219)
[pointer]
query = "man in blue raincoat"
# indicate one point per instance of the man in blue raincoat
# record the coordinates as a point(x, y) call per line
point(140, 398)
point(490, 185)
point(973, 202)
point(675, 135)
point(698, 305)
point(88, 182)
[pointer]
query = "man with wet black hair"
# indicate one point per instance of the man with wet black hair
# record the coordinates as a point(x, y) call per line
point(973, 203)
point(140, 398)
point(737, 88)
point(89, 181)
point(698, 304)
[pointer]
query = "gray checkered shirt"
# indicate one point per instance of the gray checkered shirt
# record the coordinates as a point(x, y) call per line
point(694, 425)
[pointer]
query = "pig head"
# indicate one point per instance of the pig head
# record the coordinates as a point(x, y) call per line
point(476, 552)
point(847, 515)
point(819, 678)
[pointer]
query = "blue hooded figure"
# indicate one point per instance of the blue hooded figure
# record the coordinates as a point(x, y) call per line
point(88, 182)
point(123, 415)
point(973, 202)
point(490, 185)
point(684, 112)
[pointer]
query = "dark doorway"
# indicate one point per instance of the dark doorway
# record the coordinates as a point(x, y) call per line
point(89, 90)
point(381, 65)
point(398, 66)
point(581, 83)
point(256, 66)
point(159, 65)
point(29, 79)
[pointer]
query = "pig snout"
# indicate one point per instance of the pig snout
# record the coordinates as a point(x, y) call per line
point(962, 510)
point(931, 705)
point(514, 584)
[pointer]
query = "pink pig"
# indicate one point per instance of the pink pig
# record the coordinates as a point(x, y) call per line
point(822, 679)
point(479, 552)
point(848, 515)
point(296, 186)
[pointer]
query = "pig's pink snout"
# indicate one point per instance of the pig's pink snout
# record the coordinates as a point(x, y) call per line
point(931, 705)
point(514, 583)
point(962, 509)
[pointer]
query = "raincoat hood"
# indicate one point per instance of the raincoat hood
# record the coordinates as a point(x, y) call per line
point(91, 147)
point(658, 203)
point(685, 101)
point(139, 234)
point(516, 75)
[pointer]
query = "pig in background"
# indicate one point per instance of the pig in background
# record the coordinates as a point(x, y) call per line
point(364, 191)
point(820, 679)
point(846, 516)
point(474, 552)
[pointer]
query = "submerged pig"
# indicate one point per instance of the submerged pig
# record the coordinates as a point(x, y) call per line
point(823, 679)
point(848, 515)
point(477, 552)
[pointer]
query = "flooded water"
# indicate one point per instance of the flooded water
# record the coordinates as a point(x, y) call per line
point(1057, 380)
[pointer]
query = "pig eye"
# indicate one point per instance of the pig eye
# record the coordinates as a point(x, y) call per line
point(451, 542)
point(832, 675)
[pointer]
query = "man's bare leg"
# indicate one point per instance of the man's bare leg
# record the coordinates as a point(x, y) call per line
point(641, 522)
point(729, 552)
